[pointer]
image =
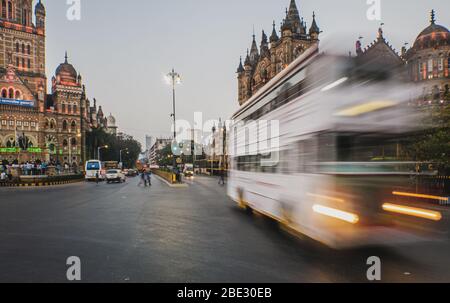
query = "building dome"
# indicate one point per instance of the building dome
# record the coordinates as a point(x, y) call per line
point(433, 36)
point(67, 72)
point(111, 121)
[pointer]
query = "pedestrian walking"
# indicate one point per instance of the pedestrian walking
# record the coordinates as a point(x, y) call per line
point(142, 179)
point(97, 177)
point(149, 178)
point(222, 177)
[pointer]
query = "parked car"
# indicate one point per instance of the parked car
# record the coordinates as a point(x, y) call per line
point(115, 175)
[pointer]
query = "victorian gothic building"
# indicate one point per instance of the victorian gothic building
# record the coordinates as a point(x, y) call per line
point(275, 53)
point(426, 63)
point(36, 124)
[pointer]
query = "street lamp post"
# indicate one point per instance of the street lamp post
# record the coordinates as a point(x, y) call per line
point(174, 78)
point(120, 154)
point(98, 151)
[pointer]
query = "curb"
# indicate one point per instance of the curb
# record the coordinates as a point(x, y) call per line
point(40, 184)
point(184, 185)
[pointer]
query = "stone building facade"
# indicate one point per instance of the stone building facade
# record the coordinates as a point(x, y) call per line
point(428, 63)
point(36, 124)
point(275, 53)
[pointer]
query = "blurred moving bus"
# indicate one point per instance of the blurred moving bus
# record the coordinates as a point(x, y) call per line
point(319, 150)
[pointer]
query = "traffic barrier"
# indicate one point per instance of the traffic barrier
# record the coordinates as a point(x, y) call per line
point(168, 176)
point(40, 184)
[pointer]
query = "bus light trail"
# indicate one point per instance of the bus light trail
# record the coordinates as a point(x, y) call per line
point(443, 199)
point(335, 213)
point(412, 211)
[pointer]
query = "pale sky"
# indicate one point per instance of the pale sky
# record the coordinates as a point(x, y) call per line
point(123, 49)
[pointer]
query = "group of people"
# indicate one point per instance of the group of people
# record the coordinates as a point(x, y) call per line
point(33, 168)
point(146, 178)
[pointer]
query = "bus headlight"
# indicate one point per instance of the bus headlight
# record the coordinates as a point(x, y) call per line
point(336, 213)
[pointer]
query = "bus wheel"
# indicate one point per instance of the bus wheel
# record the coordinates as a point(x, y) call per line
point(242, 203)
point(286, 215)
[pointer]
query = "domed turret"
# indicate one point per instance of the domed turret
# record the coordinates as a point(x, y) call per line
point(66, 73)
point(111, 121)
point(433, 36)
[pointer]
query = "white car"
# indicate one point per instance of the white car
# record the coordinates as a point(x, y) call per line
point(115, 175)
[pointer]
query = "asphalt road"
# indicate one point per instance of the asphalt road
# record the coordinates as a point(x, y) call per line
point(126, 233)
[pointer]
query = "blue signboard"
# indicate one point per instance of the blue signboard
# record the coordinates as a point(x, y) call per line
point(17, 102)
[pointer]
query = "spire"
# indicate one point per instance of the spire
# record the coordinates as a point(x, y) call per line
point(254, 49)
point(294, 18)
point(263, 39)
point(433, 17)
point(247, 59)
point(240, 67)
point(66, 58)
point(293, 13)
point(274, 36)
point(380, 33)
point(264, 46)
point(254, 53)
point(314, 28)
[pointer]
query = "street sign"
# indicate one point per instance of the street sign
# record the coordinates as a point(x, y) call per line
point(23, 103)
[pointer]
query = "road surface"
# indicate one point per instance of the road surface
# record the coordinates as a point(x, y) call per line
point(126, 233)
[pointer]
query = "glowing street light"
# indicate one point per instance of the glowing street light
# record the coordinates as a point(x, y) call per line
point(173, 79)
point(100, 148)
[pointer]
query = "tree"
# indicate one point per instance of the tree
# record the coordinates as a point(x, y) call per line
point(433, 144)
point(129, 146)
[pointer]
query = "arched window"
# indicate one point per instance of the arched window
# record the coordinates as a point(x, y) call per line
point(65, 125)
point(75, 109)
point(4, 9)
point(63, 108)
point(4, 93)
point(73, 142)
point(11, 142)
point(69, 108)
point(23, 48)
point(11, 93)
point(52, 124)
point(10, 10)
point(29, 49)
point(65, 143)
point(73, 126)
point(24, 16)
point(18, 95)
point(17, 47)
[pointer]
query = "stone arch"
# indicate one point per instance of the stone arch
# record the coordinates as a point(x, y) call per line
point(9, 140)
point(73, 125)
point(52, 123)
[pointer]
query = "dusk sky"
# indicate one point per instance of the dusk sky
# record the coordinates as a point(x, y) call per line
point(123, 49)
